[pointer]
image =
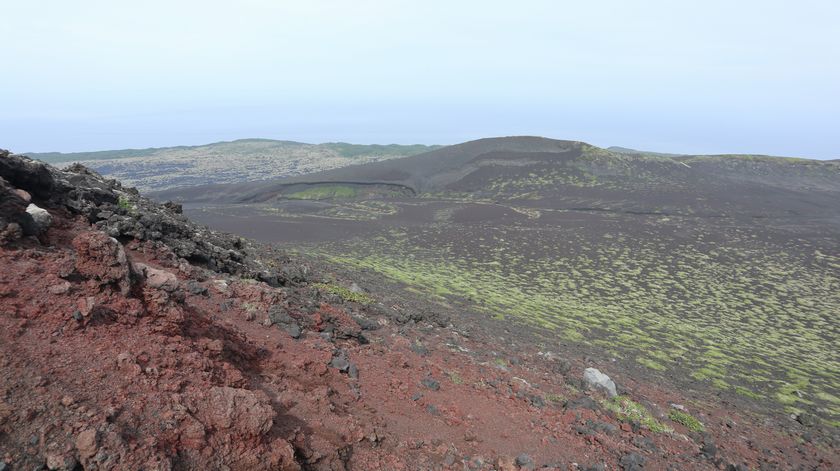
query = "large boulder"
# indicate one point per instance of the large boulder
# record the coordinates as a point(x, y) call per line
point(155, 278)
point(236, 411)
point(12, 202)
point(12, 212)
point(41, 218)
point(33, 176)
point(102, 258)
point(596, 380)
point(632, 462)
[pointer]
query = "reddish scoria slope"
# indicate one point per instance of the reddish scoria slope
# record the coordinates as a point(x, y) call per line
point(122, 355)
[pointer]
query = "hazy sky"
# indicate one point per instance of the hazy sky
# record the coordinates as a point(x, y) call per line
point(710, 76)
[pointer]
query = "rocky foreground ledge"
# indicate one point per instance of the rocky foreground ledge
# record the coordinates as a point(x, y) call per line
point(131, 338)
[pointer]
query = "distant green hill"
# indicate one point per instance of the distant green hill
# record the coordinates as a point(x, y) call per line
point(227, 162)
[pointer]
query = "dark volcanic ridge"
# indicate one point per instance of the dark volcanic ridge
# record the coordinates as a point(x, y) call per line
point(567, 175)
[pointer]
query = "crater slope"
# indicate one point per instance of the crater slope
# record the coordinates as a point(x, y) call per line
point(717, 273)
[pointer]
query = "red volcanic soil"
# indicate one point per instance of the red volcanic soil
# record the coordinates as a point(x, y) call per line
point(180, 368)
point(121, 355)
point(192, 375)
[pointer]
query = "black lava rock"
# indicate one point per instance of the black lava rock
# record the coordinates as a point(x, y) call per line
point(584, 402)
point(430, 383)
point(709, 449)
point(340, 363)
point(632, 462)
point(536, 401)
point(524, 461)
point(366, 324)
point(293, 330)
point(195, 288)
point(419, 349)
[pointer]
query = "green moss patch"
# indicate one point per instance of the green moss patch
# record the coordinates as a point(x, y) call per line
point(322, 192)
point(687, 420)
point(344, 293)
point(627, 410)
point(737, 311)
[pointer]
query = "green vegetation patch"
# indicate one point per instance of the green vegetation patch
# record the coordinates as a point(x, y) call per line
point(323, 192)
point(455, 377)
point(553, 398)
point(652, 364)
point(627, 410)
point(686, 420)
point(730, 307)
point(345, 293)
point(125, 203)
point(365, 210)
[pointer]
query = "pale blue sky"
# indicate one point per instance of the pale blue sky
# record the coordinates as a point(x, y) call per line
point(684, 76)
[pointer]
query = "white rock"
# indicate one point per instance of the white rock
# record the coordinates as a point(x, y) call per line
point(597, 380)
point(221, 286)
point(59, 288)
point(41, 217)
